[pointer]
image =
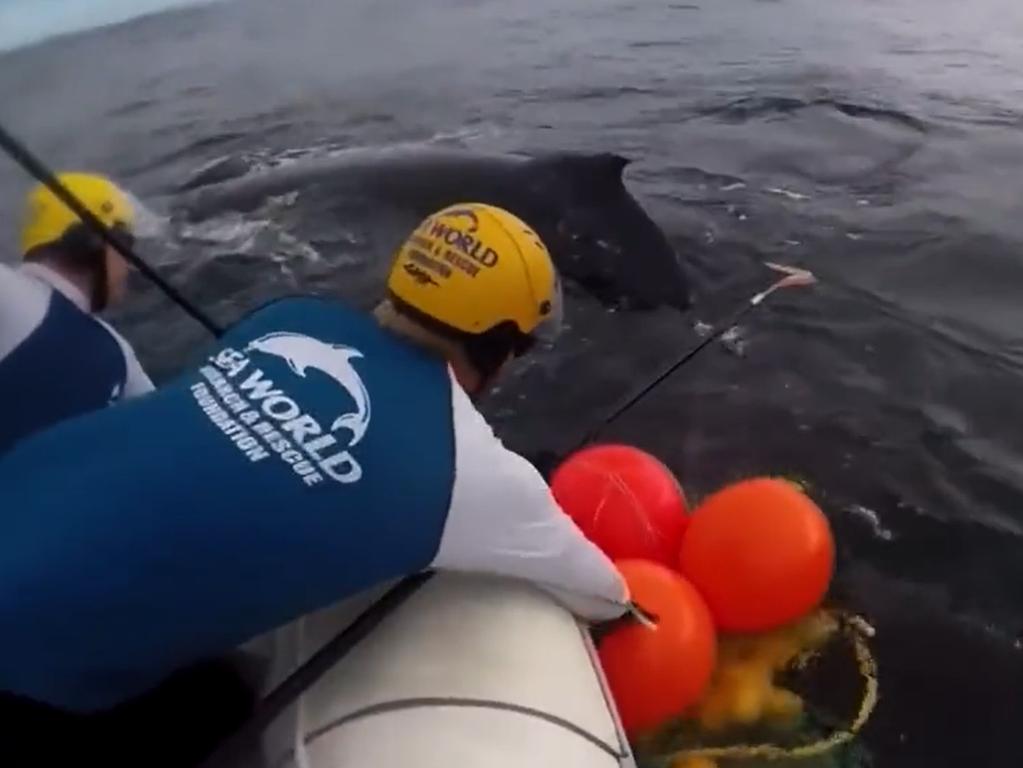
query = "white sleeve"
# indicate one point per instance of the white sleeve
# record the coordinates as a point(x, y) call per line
point(504, 520)
point(23, 304)
point(136, 380)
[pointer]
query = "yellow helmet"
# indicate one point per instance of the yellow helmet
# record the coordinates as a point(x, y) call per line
point(47, 219)
point(474, 268)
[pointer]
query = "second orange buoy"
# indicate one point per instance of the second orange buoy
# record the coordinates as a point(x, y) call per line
point(760, 552)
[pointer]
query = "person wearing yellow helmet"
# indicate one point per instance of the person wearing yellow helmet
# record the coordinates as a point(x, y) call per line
point(475, 283)
point(315, 452)
point(57, 359)
point(54, 236)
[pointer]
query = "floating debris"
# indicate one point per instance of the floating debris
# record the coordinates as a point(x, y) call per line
point(786, 193)
point(864, 513)
point(733, 341)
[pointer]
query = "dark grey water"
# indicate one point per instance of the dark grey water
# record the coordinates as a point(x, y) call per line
point(878, 143)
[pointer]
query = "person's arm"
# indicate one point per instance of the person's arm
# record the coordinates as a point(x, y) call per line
point(504, 520)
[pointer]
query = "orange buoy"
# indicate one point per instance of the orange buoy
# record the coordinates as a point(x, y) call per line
point(657, 672)
point(760, 552)
point(626, 502)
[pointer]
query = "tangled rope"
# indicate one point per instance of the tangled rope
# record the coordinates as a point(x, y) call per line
point(858, 632)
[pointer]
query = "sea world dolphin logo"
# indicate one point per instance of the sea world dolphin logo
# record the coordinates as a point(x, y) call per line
point(464, 213)
point(303, 352)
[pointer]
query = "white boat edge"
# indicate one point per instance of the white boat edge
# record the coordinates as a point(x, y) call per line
point(470, 671)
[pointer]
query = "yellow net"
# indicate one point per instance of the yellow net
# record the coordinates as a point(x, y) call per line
point(744, 699)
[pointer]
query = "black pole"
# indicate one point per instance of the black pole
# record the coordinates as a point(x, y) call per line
point(794, 277)
point(21, 155)
point(638, 394)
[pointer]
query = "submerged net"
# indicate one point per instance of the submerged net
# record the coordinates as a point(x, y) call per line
point(786, 699)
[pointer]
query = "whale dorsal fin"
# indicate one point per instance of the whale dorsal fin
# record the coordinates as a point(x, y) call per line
point(595, 170)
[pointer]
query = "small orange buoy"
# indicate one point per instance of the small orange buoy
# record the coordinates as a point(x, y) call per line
point(760, 552)
point(626, 502)
point(657, 672)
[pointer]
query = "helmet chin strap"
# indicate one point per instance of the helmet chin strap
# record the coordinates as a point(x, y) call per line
point(484, 381)
point(472, 381)
point(99, 285)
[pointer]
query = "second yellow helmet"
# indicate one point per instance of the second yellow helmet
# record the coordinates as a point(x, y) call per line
point(472, 267)
point(47, 219)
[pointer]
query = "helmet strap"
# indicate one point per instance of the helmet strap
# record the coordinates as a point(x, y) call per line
point(87, 254)
point(99, 295)
point(486, 352)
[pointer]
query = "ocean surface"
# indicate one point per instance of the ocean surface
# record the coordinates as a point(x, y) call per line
point(878, 143)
